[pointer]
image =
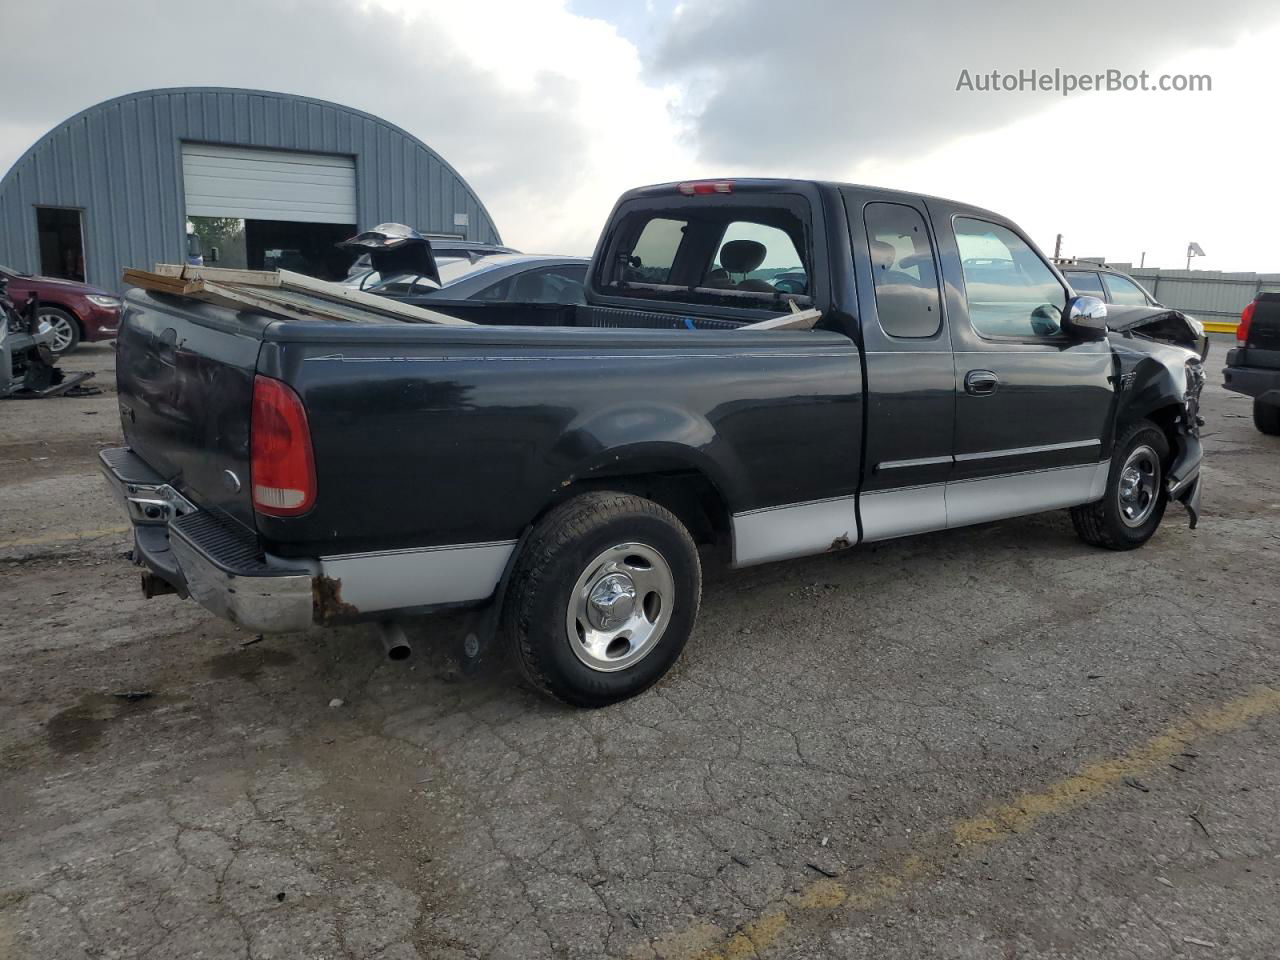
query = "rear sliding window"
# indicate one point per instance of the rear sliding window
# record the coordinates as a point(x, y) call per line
point(700, 251)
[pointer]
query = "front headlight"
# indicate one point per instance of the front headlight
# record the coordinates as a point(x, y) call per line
point(111, 303)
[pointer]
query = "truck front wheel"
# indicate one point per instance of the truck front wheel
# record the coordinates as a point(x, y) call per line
point(602, 598)
point(1131, 509)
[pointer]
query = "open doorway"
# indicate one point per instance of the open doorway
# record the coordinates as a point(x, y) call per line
point(309, 248)
point(61, 242)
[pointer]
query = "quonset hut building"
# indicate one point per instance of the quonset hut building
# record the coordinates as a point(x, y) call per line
point(245, 178)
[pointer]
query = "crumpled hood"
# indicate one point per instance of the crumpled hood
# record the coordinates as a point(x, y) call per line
point(1159, 323)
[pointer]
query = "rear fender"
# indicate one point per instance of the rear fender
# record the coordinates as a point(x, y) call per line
point(648, 437)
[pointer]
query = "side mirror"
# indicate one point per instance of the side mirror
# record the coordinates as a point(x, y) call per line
point(1086, 318)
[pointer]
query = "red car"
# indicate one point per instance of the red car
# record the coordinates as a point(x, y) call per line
point(75, 310)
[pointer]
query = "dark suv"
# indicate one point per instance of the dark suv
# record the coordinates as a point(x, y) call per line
point(1112, 286)
point(75, 310)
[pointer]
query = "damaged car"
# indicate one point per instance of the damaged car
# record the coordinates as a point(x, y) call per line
point(561, 470)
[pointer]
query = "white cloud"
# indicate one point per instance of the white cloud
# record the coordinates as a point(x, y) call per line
point(1120, 174)
point(550, 114)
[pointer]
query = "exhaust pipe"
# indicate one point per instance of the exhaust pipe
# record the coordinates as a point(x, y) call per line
point(394, 641)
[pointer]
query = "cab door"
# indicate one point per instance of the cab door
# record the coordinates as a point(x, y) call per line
point(910, 376)
point(1032, 404)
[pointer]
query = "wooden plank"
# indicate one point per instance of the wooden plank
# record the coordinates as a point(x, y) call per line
point(253, 278)
point(240, 299)
point(801, 320)
point(384, 305)
point(156, 282)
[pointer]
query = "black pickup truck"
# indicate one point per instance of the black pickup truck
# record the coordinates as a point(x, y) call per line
point(558, 467)
point(1253, 367)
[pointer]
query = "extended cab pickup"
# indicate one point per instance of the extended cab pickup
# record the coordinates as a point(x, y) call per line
point(557, 467)
point(1253, 367)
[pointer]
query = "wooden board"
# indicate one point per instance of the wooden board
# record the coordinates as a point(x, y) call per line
point(281, 292)
point(801, 320)
point(157, 282)
point(253, 278)
point(385, 305)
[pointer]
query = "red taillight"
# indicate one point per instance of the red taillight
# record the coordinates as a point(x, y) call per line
point(697, 188)
point(1246, 321)
point(282, 470)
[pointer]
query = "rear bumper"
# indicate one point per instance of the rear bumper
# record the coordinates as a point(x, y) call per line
point(1261, 383)
point(214, 561)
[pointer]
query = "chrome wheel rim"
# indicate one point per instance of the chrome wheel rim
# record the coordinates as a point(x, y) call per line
point(62, 332)
point(1139, 488)
point(620, 606)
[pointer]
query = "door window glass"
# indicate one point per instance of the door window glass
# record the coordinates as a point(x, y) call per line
point(906, 282)
point(1124, 291)
point(655, 250)
point(1085, 283)
point(1011, 292)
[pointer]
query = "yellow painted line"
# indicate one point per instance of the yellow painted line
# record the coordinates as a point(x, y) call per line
point(1215, 326)
point(66, 536)
point(876, 887)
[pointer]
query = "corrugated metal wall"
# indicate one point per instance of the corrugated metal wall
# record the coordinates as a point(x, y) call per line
point(120, 162)
point(1208, 295)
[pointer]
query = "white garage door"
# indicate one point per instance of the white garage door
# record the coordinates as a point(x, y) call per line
point(268, 184)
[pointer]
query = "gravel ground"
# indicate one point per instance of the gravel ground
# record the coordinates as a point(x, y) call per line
point(993, 742)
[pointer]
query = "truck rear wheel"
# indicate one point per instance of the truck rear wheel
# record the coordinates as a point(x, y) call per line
point(1266, 417)
point(1131, 509)
point(602, 598)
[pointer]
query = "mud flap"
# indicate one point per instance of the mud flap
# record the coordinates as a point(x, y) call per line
point(1184, 476)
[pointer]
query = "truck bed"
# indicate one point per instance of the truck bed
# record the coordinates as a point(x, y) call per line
point(427, 435)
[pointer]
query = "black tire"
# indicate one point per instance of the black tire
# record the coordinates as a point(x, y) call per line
point(559, 553)
point(1102, 523)
point(1266, 417)
point(67, 323)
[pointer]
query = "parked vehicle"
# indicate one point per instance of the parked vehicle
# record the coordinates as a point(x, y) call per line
point(502, 276)
point(76, 311)
point(362, 275)
point(557, 466)
point(28, 367)
point(1253, 367)
point(1120, 290)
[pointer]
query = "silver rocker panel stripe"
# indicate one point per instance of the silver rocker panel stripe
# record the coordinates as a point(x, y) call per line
point(1019, 494)
point(794, 530)
point(400, 579)
point(907, 510)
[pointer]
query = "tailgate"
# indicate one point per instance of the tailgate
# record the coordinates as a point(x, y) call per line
point(184, 371)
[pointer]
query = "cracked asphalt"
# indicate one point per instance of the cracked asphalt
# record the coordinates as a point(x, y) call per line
point(987, 743)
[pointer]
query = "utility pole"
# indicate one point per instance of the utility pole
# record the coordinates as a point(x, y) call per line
point(1143, 262)
point(1057, 248)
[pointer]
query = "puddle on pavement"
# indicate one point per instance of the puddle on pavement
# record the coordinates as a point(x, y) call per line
point(248, 664)
point(79, 728)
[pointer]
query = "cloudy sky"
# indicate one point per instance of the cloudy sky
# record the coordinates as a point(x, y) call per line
point(550, 108)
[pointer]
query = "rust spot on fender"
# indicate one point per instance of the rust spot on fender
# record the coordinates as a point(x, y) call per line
point(841, 542)
point(326, 597)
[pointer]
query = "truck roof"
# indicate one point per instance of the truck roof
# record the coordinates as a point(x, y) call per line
point(785, 185)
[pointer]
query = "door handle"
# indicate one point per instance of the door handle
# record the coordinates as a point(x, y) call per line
point(980, 383)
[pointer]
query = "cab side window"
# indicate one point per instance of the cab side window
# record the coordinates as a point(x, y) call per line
point(1010, 290)
point(1124, 292)
point(902, 268)
point(1085, 283)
